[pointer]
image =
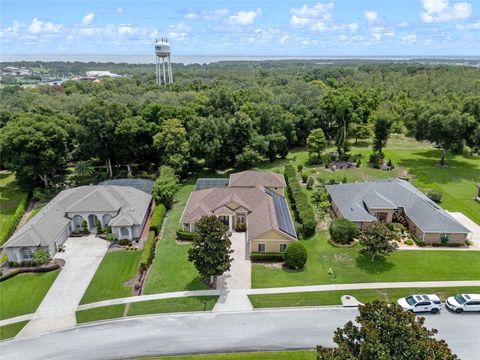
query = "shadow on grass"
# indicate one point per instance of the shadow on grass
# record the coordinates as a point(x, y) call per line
point(378, 266)
point(198, 283)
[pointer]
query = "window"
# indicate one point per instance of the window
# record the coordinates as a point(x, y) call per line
point(382, 216)
point(240, 218)
point(283, 247)
point(26, 254)
point(186, 226)
point(423, 303)
point(261, 247)
point(224, 219)
point(77, 221)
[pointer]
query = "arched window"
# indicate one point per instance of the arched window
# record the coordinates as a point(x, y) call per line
point(77, 222)
point(26, 254)
point(106, 219)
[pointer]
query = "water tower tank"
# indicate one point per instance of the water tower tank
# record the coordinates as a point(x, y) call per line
point(162, 48)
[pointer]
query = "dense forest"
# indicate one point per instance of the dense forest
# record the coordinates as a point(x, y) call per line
point(227, 114)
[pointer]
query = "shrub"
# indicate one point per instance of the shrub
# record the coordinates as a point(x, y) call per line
point(409, 242)
point(85, 227)
point(295, 255)
point(343, 231)
point(359, 162)
point(124, 242)
point(41, 257)
point(444, 239)
point(300, 167)
point(301, 207)
point(435, 196)
point(98, 225)
point(241, 228)
point(304, 177)
point(266, 256)
point(157, 218)
point(344, 180)
point(9, 227)
point(186, 235)
point(148, 251)
point(111, 237)
point(310, 182)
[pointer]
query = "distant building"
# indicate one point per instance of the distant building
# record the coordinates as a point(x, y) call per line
point(101, 73)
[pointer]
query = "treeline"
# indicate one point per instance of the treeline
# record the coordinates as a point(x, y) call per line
point(226, 114)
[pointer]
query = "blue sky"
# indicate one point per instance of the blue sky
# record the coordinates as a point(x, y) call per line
point(248, 28)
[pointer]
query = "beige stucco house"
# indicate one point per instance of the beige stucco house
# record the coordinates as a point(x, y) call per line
point(395, 200)
point(253, 200)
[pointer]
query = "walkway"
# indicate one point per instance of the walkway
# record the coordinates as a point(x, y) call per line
point(234, 283)
point(57, 311)
point(470, 225)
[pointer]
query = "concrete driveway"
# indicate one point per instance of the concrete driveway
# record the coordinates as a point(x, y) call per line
point(470, 225)
point(57, 311)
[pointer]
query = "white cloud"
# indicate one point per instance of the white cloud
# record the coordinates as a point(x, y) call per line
point(442, 11)
point(409, 39)
point(472, 26)
point(119, 10)
point(40, 27)
point(179, 31)
point(323, 26)
point(307, 15)
point(87, 19)
point(243, 18)
point(371, 16)
point(207, 15)
point(284, 39)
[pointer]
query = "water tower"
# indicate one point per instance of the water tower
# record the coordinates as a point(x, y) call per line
point(164, 67)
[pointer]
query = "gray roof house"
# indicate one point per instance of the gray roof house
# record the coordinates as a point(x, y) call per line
point(395, 200)
point(124, 209)
point(250, 199)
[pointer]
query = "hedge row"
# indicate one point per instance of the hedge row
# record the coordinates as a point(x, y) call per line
point(266, 256)
point(186, 235)
point(41, 269)
point(148, 251)
point(8, 229)
point(302, 209)
point(157, 218)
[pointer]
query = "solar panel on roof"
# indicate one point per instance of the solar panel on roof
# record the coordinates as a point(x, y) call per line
point(284, 219)
point(208, 183)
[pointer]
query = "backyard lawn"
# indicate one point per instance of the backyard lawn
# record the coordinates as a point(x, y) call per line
point(10, 331)
point(171, 271)
point(23, 293)
point(270, 355)
point(350, 267)
point(116, 268)
point(320, 298)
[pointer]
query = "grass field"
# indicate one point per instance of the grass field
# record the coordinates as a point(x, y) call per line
point(100, 313)
point(10, 331)
point(320, 298)
point(272, 355)
point(171, 271)
point(116, 268)
point(194, 303)
point(350, 267)
point(23, 293)
point(10, 196)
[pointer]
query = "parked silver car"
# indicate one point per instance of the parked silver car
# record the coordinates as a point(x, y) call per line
point(421, 303)
point(463, 302)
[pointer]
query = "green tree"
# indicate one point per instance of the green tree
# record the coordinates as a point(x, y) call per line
point(316, 144)
point(41, 257)
point(377, 240)
point(210, 251)
point(171, 142)
point(248, 158)
point(206, 141)
point(381, 131)
point(295, 255)
point(35, 148)
point(383, 331)
point(165, 186)
point(343, 231)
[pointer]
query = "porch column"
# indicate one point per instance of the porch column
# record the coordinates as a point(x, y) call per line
point(130, 233)
point(230, 223)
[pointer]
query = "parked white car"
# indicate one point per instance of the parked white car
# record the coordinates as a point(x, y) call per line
point(464, 302)
point(421, 303)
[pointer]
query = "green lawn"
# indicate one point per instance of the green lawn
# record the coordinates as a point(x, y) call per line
point(10, 196)
point(171, 271)
point(10, 331)
point(100, 313)
point(350, 267)
point(23, 293)
point(272, 355)
point(116, 268)
point(194, 303)
point(320, 298)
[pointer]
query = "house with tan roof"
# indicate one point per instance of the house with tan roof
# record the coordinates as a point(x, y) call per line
point(249, 200)
point(124, 208)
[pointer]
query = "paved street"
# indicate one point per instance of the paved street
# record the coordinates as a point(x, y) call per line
point(57, 311)
point(219, 332)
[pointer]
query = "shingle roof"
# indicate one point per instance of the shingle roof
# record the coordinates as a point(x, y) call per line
point(261, 214)
point(44, 228)
point(251, 178)
point(352, 199)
